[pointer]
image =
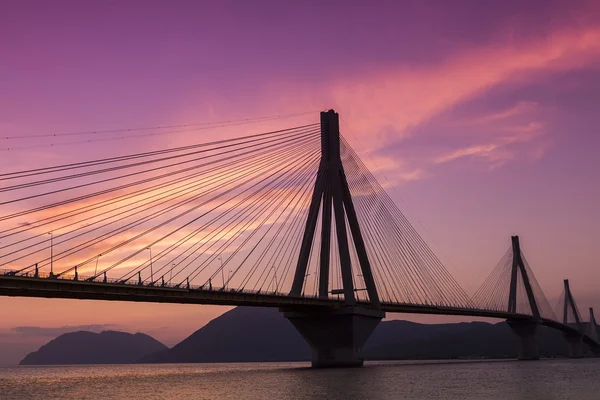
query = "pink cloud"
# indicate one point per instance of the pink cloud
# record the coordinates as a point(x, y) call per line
point(403, 97)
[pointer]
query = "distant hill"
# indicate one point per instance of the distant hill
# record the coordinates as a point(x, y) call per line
point(244, 334)
point(107, 347)
point(247, 334)
point(408, 340)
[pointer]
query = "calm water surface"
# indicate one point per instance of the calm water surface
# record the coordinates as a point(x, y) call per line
point(549, 379)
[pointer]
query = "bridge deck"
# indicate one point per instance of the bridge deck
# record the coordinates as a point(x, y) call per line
point(84, 290)
point(22, 286)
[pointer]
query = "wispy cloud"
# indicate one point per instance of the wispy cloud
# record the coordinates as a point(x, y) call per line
point(500, 147)
point(402, 98)
point(43, 332)
point(388, 106)
point(477, 150)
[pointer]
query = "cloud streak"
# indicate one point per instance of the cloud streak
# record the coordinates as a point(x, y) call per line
point(388, 104)
point(45, 332)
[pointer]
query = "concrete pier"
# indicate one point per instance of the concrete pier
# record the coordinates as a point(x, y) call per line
point(525, 331)
point(575, 345)
point(336, 337)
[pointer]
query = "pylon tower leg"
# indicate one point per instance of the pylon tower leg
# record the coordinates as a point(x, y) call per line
point(525, 330)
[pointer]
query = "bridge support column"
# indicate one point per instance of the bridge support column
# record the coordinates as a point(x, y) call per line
point(525, 330)
point(336, 337)
point(575, 346)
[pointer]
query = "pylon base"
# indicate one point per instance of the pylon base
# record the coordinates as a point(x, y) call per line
point(575, 346)
point(336, 337)
point(525, 330)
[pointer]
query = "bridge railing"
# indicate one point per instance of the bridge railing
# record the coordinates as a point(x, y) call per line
point(167, 285)
point(133, 282)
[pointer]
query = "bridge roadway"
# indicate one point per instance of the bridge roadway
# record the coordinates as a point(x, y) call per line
point(64, 288)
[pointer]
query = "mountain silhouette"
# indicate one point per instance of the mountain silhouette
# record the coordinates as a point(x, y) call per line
point(244, 334)
point(108, 347)
point(409, 340)
point(247, 334)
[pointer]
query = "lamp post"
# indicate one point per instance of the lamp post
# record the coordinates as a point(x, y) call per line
point(222, 272)
point(275, 278)
point(51, 253)
point(305, 281)
point(96, 269)
point(151, 273)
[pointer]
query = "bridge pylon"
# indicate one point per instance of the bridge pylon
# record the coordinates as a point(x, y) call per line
point(331, 189)
point(518, 268)
point(524, 329)
point(575, 345)
point(336, 336)
point(592, 330)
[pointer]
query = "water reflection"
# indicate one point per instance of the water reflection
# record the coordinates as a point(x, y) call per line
point(547, 380)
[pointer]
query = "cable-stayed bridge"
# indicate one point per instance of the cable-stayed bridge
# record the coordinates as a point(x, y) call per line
point(290, 218)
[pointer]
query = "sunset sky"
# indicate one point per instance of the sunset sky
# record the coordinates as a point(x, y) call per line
point(480, 118)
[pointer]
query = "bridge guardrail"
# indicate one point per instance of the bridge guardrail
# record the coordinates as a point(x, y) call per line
point(131, 282)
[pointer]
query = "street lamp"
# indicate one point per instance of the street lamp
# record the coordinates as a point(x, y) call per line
point(151, 273)
point(96, 269)
point(171, 276)
point(51, 253)
point(275, 278)
point(305, 281)
point(222, 272)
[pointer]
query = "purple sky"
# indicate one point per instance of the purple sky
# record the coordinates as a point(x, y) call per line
point(480, 115)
